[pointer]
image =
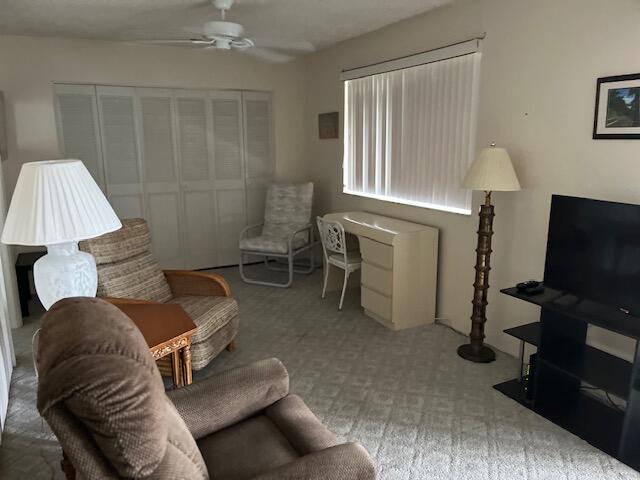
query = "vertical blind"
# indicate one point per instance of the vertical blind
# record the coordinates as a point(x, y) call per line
point(410, 133)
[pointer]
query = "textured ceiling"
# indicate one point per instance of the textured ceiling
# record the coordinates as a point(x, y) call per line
point(321, 22)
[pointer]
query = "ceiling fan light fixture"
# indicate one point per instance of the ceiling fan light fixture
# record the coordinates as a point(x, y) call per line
point(222, 29)
point(223, 43)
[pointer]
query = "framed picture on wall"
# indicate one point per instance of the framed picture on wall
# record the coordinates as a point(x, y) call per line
point(617, 113)
point(328, 125)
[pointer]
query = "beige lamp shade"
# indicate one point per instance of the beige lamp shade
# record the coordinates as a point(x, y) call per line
point(54, 202)
point(492, 171)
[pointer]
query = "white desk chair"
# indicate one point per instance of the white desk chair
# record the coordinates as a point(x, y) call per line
point(334, 246)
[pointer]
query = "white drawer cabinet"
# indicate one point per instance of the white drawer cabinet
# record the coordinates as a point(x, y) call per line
point(376, 278)
point(377, 304)
point(376, 253)
point(399, 268)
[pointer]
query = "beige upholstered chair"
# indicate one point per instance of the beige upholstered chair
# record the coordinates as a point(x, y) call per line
point(286, 231)
point(103, 398)
point(127, 270)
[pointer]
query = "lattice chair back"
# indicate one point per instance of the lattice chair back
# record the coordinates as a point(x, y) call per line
point(332, 236)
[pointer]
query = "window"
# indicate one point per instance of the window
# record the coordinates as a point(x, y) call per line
point(409, 133)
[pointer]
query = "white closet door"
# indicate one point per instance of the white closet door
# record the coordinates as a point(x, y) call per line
point(160, 174)
point(258, 146)
point(78, 130)
point(120, 150)
point(228, 153)
point(195, 147)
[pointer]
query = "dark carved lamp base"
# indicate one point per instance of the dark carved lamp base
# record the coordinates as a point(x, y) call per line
point(482, 355)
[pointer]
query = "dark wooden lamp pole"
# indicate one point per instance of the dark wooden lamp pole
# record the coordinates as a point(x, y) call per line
point(491, 171)
point(476, 351)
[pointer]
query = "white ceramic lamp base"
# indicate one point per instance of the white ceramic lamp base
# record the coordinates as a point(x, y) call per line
point(64, 272)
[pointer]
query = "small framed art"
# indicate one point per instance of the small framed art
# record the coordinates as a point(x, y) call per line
point(328, 125)
point(617, 114)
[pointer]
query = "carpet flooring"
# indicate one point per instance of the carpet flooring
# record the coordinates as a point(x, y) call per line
point(420, 410)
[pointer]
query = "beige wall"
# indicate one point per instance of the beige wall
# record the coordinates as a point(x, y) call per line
point(541, 59)
point(29, 66)
point(540, 63)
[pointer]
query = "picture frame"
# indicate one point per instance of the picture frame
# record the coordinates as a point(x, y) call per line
point(617, 112)
point(328, 125)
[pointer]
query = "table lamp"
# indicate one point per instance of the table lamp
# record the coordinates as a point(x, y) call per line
point(57, 203)
point(491, 171)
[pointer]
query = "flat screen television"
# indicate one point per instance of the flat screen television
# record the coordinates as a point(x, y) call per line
point(593, 251)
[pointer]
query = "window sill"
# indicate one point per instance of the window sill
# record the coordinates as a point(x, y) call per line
point(431, 206)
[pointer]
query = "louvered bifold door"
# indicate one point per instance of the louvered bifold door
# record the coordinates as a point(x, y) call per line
point(195, 158)
point(120, 150)
point(226, 112)
point(78, 129)
point(258, 146)
point(160, 174)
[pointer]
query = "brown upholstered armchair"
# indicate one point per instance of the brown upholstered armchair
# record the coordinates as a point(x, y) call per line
point(127, 272)
point(114, 419)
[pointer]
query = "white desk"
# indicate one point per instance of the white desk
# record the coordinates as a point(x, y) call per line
point(399, 268)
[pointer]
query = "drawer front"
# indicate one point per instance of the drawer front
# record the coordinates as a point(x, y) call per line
point(376, 253)
point(376, 303)
point(378, 279)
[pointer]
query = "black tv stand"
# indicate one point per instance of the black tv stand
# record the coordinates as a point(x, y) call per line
point(576, 386)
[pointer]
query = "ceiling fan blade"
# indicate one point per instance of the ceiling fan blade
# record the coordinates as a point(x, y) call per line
point(302, 46)
point(192, 41)
point(202, 4)
point(267, 55)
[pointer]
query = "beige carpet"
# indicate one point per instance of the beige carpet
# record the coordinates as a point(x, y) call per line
point(421, 411)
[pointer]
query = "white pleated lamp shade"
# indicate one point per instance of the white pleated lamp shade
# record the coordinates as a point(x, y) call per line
point(492, 171)
point(57, 201)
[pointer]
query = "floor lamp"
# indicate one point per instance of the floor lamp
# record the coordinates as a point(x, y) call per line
point(492, 171)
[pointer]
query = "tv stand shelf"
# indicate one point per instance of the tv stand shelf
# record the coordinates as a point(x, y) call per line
point(572, 382)
point(582, 309)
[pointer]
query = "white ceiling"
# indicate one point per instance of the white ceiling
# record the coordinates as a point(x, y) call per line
point(321, 22)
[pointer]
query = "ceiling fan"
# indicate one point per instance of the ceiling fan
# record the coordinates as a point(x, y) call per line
point(224, 35)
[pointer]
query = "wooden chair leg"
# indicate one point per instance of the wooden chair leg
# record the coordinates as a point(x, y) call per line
point(186, 365)
point(176, 370)
point(232, 346)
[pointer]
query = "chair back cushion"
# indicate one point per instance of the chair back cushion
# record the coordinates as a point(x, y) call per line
point(101, 392)
point(126, 267)
point(288, 208)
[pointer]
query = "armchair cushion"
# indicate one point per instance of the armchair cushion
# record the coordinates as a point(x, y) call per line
point(209, 314)
point(131, 240)
point(349, 461)
point(301, 427)
point(228, 458)
point(95, 364)
point(285, 432)
point(287, 209)
point(102, 395)
point(239, 394)
point(126, 268)
point(272, 243)
point(137, 277)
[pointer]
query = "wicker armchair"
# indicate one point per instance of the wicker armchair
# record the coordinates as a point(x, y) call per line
point(127, 272)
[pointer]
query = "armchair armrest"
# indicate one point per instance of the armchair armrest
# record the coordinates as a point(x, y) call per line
point(309, 228)
point(231, 396)
point(188, 282)
point(349, 461)
point(127, 301)
point(250, 227)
